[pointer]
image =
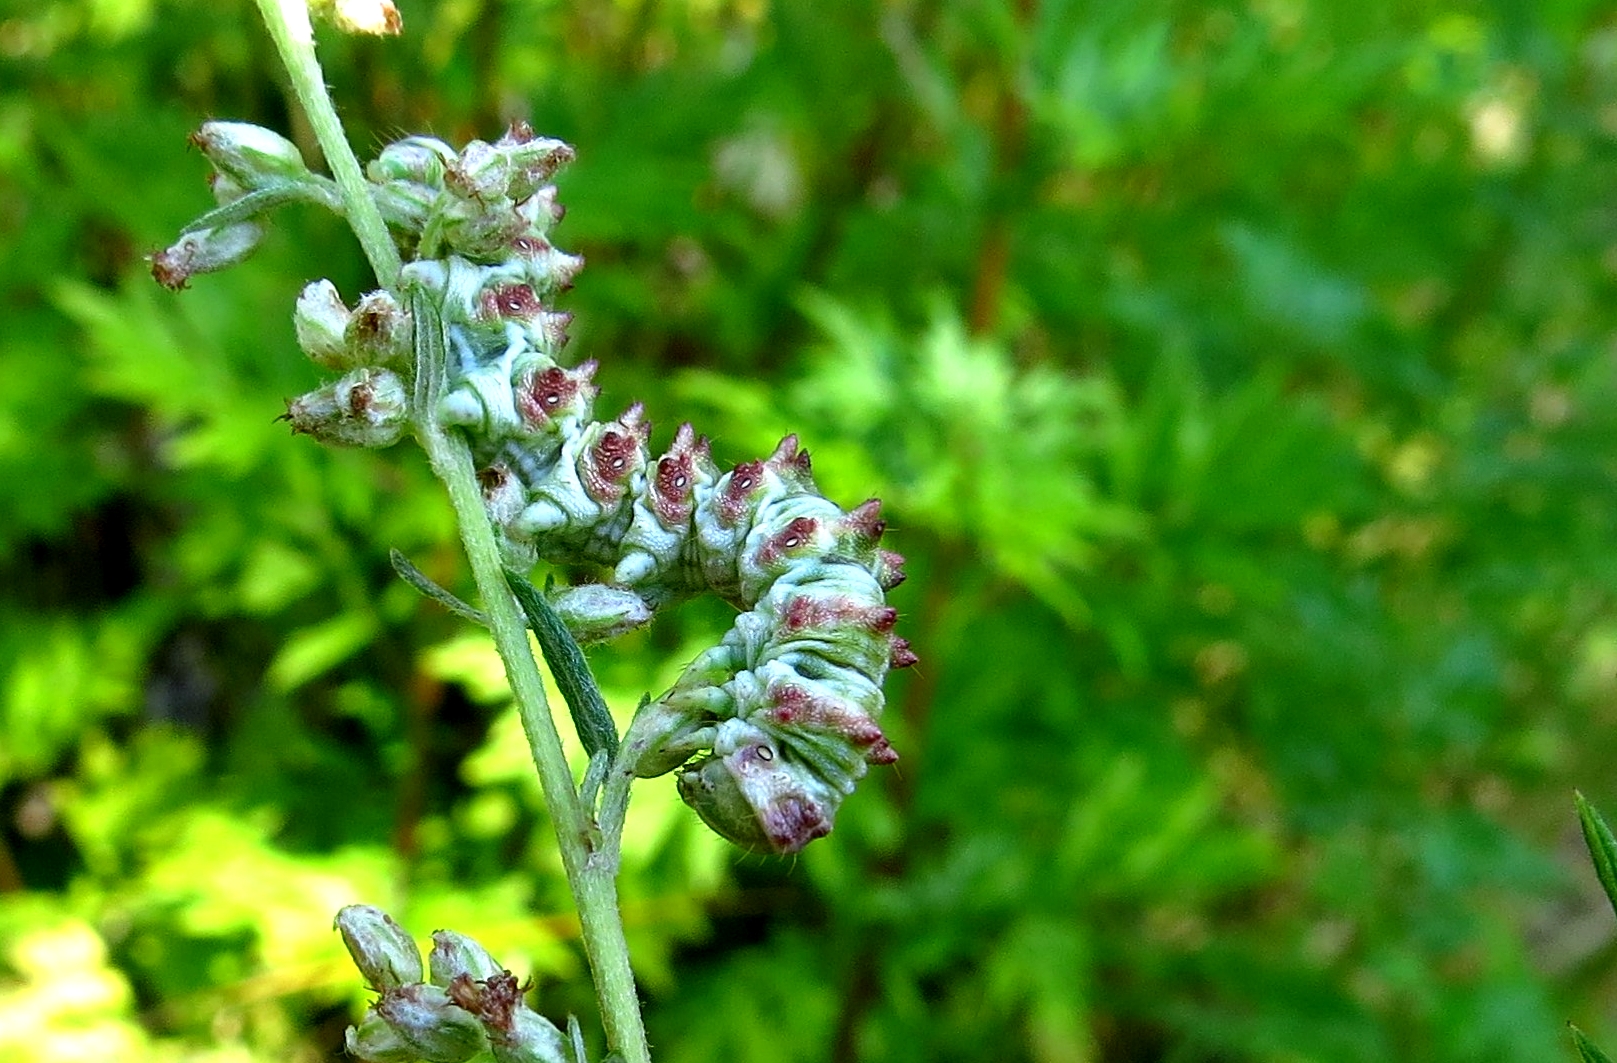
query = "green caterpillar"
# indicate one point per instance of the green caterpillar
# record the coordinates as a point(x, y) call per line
point(770, 729)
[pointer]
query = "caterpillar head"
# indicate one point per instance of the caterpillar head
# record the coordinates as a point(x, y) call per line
point(749, 793)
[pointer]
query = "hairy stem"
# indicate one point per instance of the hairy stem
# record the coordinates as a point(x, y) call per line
point(289, 28)
point(593, 884)
point(594, 887)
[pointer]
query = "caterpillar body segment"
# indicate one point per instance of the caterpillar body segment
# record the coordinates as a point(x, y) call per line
point(770, 730)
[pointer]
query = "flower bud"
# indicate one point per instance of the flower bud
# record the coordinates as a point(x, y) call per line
point(480, 174)
point(321, 320)
point(204, 251)
point(384, 953)
point(516, 1033)
point(594, 612)
point(250, 155)
point(378, 331)
point(454, 954)
point(367, 408)
point(417, 160)
point(532, 1038)
point(533, 160)
point(436, 1028)
point(374, 1041)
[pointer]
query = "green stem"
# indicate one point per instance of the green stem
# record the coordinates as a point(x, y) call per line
point(590, 871)
point(288, 23)
point(591, 877)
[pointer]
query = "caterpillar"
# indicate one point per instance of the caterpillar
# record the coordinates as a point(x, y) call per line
point(769, 730)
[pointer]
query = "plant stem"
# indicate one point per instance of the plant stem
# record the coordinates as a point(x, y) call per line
point(289, 28)
point(592, 880)
point(594, 887)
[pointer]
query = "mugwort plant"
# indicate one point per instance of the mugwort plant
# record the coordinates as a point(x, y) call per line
point(460, 348)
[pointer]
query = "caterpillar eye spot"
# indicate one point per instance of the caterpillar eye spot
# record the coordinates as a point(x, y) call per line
point(617, 463)
point(680, 482)
point(793, 543)
point(553, 399)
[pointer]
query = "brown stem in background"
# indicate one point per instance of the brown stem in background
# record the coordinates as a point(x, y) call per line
point(10, 875)
point(425, 695)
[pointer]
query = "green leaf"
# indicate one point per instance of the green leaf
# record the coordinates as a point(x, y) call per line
point(315, 650)
point(420, 581)
point(566, 660)
point(1586, 1048)
point(1602, 846)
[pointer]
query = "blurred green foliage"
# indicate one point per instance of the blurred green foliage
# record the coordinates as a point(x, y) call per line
point(1240, 379)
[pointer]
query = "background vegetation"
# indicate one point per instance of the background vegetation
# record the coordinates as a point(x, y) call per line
point(1242, 383)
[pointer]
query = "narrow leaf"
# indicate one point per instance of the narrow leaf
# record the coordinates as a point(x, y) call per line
point(421, 582)
point(591, 719)
point(1602, 846)
point(575, 1034)
point(1586, 1048)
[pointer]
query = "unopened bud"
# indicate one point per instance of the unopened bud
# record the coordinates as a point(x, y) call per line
point(533, 161)
point(384, 953)
point(378, 331)
point(516, 1033)
point(321, 320)
point(204, 251)
point(374, 1041)
point(532, 1038)
point(480, 174)
point(367, 408)
point(250, 155)
point(435, 1027)
point(454, 954)
point(418, 160)
point(595, 612)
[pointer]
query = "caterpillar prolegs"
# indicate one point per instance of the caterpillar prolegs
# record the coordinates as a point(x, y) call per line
point(770, 729)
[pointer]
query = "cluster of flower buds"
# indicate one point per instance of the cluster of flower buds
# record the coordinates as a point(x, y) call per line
point(461, 1003)
point(254, 171)
point(771, 729)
